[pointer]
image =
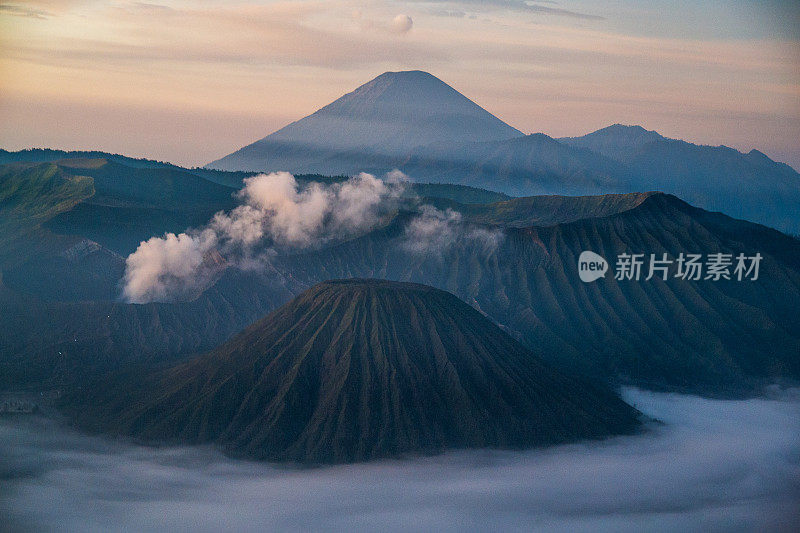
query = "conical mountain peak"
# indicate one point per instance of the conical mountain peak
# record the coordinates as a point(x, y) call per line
point(400, 97)
point(413, 83)
point(360, 369)
point(373, 126)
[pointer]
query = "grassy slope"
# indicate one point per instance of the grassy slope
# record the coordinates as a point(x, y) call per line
point(29, 196)
point(133, 204)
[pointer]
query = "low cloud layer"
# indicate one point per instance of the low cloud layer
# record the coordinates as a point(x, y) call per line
point(275, 213)
point(516, 5)
point(713, 466)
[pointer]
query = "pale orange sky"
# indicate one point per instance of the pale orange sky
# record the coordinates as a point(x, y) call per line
point(188, 82)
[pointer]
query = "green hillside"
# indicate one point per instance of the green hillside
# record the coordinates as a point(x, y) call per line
point(29, 196)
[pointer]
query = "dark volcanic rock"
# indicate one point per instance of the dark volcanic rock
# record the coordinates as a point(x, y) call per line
point(353, 370)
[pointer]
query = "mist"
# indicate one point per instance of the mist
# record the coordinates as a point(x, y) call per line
point(433, 232)
point(712, 465)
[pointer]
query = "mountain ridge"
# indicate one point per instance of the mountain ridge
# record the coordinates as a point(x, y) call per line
point(348, 136)
point(527, 283)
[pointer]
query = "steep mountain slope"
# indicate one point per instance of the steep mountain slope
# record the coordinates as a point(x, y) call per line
point(55, 343)
point(371, 127)
point(712, 337)
point(68, 224)
point(48, 155)
point(462, 194)
point(132, 204)
point(548, 210)
point(66, 228)
point(354, 370)
point(103, 200)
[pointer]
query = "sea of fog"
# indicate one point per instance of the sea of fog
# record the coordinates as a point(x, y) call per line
point(712, 466)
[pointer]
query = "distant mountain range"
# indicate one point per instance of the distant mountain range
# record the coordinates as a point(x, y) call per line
point(69, 223)
point(354, 370)
point(415, 122)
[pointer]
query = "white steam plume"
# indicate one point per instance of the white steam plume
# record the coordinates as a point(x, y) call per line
point(166, 266)
point(275, 213)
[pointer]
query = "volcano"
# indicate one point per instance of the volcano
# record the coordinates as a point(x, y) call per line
point(371, 127)
point(353, 370)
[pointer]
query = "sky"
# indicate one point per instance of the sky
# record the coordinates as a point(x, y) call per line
point(189, 82)
point(711, 465)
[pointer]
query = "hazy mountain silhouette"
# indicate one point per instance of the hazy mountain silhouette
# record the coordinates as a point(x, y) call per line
point(616, 141)
point(353, 370)
point(522, 166)
point(417, 123)
point(371, 127)
point(621, 159)
point(744, 185)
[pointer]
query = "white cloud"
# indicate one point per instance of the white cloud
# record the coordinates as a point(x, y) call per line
point(713, 466)
point(401, 24)
point(433, 232)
